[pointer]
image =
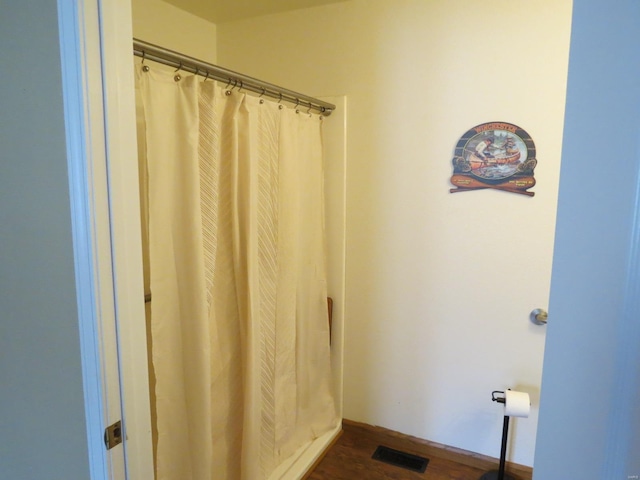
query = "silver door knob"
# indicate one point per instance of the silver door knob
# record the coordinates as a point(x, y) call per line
point(539, 316)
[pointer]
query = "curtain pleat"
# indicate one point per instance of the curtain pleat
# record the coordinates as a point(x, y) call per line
point(239, 330)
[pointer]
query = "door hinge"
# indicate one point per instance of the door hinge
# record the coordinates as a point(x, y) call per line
point(113, 435)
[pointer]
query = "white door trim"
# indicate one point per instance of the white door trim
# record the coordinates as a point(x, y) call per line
point(95, 38)
point(124, 202)
point(81, 87)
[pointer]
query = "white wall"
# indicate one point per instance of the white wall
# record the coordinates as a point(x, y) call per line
point(42, 414)
point(160, 23)
point(439, 286)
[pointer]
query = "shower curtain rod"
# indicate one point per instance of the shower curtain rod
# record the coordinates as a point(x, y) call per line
point(148, 51)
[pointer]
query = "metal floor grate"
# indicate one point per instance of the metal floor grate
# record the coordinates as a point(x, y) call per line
point(400, 459)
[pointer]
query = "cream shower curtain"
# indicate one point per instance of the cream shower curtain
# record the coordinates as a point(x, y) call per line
point(233, 191)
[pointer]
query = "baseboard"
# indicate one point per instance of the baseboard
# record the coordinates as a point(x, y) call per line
point(322, 455)
point(304, 460)
point(459, 455)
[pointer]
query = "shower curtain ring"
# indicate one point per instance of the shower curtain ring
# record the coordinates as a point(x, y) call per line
point(205, 78)
point(177, 76)
point(145, 68)
point(228, 83)
point(240, 89)
point(263, 92)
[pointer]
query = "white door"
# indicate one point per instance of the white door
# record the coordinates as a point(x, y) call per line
point(590, 414)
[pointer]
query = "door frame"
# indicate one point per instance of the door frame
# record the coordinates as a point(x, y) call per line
point(124, 200)
point(84, 147)
point(98, 94)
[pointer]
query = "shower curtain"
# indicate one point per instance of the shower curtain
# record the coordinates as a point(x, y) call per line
point(233, 193)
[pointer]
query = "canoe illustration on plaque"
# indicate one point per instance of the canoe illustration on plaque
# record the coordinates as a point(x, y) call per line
point(494, 155)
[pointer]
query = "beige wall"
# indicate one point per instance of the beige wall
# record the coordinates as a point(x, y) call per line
point(162, 24)
point(439, 286)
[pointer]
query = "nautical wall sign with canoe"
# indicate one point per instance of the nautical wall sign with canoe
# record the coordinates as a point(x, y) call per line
point(496, 155)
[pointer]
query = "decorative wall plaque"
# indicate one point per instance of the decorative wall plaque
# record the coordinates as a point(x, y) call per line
point(495, 155)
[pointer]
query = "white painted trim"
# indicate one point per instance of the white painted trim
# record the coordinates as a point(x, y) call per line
point(335, 172)
point(78, 27)
point(296, 467)
point(95, 38)
point(124, 204)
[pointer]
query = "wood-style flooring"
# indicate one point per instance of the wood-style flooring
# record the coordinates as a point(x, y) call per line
point(350, 458)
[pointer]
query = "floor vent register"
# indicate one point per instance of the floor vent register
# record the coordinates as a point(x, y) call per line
point(400, 459)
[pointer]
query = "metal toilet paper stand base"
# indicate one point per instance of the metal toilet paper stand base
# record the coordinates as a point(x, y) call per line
point(500, 474)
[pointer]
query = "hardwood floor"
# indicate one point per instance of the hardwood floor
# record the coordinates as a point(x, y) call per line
point(350, 458)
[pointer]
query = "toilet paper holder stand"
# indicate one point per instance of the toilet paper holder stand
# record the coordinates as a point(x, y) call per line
point(500, 474)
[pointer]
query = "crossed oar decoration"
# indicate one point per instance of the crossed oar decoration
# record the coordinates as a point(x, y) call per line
point(466, 183)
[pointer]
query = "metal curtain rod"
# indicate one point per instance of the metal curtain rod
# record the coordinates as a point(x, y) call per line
point(162, 55)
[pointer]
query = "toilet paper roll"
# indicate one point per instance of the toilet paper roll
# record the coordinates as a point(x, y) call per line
point(517, 404)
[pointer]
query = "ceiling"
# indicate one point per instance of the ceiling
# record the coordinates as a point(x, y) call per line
point(221, 11)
